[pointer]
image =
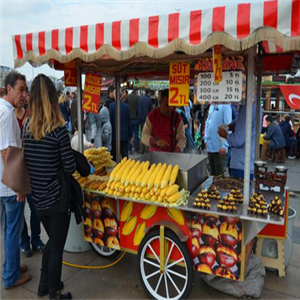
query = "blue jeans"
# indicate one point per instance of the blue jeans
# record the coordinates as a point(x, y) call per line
point(135, 130)
point(14, 221)
point(35, 226)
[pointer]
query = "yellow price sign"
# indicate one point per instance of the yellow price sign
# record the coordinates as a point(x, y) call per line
point(217, 59)
point(92, 89)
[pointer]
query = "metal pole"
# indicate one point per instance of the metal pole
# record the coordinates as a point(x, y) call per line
point(250, 89)
point(79, 106)
point(258, 110)
point(118, 119)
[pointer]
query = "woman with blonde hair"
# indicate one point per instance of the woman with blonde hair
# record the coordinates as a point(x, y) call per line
point(47, 147)
point(65, 111)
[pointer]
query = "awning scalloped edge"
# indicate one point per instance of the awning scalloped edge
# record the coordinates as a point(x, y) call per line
point(141, 48)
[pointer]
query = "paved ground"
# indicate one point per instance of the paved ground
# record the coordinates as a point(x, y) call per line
point(121, 281)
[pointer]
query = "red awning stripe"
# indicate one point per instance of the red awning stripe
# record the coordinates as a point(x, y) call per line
point(243, 20)
point(173, 27)
point(18, 46)
point(195, 27)
point(69, 40)
point(134, 26)
point(271, 13)
point(42, 41)
point(84, 38)
point(295, 24)
point(218, 19)
point(153, 31)
point(99, 35)
point(54, 39)
point(29, 42)
point(116, 35)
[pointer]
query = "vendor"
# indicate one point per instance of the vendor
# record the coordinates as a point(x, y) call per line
point(163, 129)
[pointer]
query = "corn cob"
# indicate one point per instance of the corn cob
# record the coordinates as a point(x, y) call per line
point(140, 177)
point(121, 171)
point(142, 196)
point(164, 191)
point(146, 165)
point(135, 166)
point(145, 190)
point(148, 196)
point(159, 177)
point(133, 187)
point(153, 176)
point(172, 190)
point(174, 198)
point(148, 175)
point(117, 185)
point(136, 173)
point(114, 172)
point(173, 175)
point(166, 177)
point(138, 189)
point(127, 189)
point(126, 172)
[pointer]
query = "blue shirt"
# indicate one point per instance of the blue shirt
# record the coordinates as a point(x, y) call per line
point(237, 139)
point(217, 115)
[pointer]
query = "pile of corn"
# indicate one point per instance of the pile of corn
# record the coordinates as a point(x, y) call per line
point(140, 181)
point(99, 157)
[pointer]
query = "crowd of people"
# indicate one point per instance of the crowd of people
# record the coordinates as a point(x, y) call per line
point(46, 124)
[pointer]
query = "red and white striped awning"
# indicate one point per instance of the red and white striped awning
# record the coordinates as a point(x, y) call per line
point(237, 27)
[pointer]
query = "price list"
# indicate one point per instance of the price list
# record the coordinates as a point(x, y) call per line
point(227, 90)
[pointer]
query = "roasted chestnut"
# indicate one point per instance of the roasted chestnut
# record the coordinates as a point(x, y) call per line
point(225, 273)
point(210, 234)
point(228, 234)
point(207, 255)
point(226, 256)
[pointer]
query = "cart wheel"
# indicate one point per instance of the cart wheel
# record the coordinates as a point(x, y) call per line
point(105, 251)
point(176, 281)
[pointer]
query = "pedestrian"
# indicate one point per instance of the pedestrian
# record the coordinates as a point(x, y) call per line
point(197, 133)
point(288, 134)
point(75, 141)
point(125, 128)
point(163, 129)
point(111, 96)
point(65, 111)
point(273, 138)
point(35, 223)
point(132, 100)
point(216, 149)
point(47, 148)
point(93, 129)
point(124, 95)
point(106, 128)
point(144, 107)
point(11, 203)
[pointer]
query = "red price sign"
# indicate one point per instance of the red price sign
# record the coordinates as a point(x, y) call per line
point(91, 96)
point(217, 58)
point(70, 74)
point(179, 83)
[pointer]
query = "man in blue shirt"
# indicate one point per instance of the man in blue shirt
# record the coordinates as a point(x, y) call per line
point(236, 140)
point(216, 150)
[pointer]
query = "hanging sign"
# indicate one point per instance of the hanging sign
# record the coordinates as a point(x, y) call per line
point(231, 89)
point(70, 75)
point(179, 83)
point(217, 57)
point(91, 96)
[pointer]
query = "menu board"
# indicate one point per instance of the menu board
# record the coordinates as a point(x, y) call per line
point(231, 89)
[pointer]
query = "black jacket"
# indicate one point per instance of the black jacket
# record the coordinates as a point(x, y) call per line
point(71, 194)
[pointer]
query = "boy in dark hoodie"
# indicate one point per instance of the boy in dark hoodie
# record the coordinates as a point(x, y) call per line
point(106, 128)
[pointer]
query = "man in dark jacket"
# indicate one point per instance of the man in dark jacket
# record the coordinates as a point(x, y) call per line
point(273, 138)
point(144, 106)
point(111, 96)
point(125, 127)
point(288, 136)
point(132, 100)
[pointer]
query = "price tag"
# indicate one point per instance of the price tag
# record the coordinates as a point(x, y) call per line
point(91, 96)
point(70, 73)
point(179, 83)
point(228, 90)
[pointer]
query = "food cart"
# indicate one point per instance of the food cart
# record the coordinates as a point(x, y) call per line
point(173, 241)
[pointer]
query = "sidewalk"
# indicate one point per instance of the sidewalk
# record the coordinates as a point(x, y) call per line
point(121, 280)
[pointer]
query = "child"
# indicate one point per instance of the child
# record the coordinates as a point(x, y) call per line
point(106, 128)
point(197, 133)
point(75, 141)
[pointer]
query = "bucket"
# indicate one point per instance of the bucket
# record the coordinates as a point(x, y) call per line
point(75, 241)
point(291, 218)
point(269, 248)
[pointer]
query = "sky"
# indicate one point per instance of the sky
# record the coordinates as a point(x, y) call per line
point(23, 16)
